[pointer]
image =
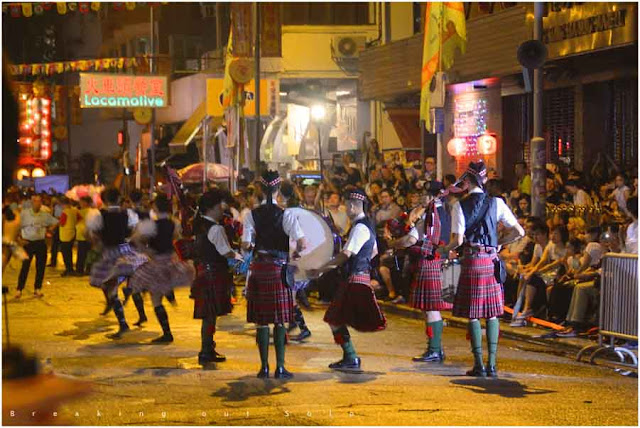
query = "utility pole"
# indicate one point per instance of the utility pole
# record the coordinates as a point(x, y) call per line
point(538, 155)
point(152, 124)
point(256, 15)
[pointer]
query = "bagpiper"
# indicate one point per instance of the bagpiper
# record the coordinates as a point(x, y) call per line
point(474, 227)
point(355, 302)
point(211, 290)
point(269, 298)
point(119, 261)
point(164, 271)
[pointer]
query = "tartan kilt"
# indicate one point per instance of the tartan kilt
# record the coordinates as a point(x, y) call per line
point(426, 287)
point(355, 305)
point(479, 295)
point(269, 300)
point(162, 274)
point(116, 263)
point(211, 292)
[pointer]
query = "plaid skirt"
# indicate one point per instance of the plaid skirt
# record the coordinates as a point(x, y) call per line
point(211, 292)
point(355, 305)
point(269, 300)
point(479, 295)
point(162, 274)
point(116, 263)
point(426, 287)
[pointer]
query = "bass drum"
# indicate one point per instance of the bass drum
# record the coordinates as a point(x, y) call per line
point(319, 243)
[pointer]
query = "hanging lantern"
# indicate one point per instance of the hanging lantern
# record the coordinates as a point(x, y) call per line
point(487, 144)
point(457, 146)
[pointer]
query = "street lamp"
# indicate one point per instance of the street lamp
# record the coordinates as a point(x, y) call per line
point(317, 112)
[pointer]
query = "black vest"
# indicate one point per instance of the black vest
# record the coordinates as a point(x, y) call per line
point(270, 234)
point(361, 262)
point(486, 231)
point(206, 252)
point(162, 242)
point(115, 228)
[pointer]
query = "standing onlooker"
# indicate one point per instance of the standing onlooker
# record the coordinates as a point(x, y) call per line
point(621, 193)
point(56, 209)
point(430, 169)
point(349, 172)
point(338, 213)
point(34, 223)
point(524, 178)
point(580, 197)
point(84, 245)
point(67, 232)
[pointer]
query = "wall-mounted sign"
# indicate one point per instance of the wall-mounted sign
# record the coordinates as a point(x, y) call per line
point(101, 90)
point(590, 26)
point(269, 97)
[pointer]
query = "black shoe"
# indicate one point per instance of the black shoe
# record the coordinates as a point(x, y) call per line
point(51, 265)
point(346, 364)
point(492, 371)
point(477, 371)
point(264, 372)
point(140, 321)
point(165, 338)
point(67, 273)
point(292, 326)
point(204, 358)
point(430, 357)
point(108, 307)
point(304, 334)
point(218, 358)
point(123, 329)
point(282, 373)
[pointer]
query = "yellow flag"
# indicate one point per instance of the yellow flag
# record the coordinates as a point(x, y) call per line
point(27, 9)
point(62, 8)
point(228, 85)
point(444, 32)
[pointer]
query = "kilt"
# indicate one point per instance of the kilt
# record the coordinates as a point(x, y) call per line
point(426, 287)
point(211, 291)
point(479, 295)
point(355, 305)
point(162, 274)
point(116, 263)
point(269, 300)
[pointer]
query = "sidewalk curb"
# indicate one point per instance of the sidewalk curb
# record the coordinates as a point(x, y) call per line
point(571, 346)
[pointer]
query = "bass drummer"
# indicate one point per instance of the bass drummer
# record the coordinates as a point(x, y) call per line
point(474, 227)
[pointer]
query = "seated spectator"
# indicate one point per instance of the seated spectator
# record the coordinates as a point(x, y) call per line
point(554, 196)
point(539, 278)
point(517, 255)
point(524, 206)
point(562, 290)
point(400, 186)
point(386, 210)
point(373, 191)
point(631, 235)
point(580, 197)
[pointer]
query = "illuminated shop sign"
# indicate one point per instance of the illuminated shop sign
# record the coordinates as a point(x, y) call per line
point(101, 90)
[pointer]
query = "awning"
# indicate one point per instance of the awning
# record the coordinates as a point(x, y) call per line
point(188, 130)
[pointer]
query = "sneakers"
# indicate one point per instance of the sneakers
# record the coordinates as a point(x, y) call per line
point(569, 332)
point(399, 300)
point(518, 323)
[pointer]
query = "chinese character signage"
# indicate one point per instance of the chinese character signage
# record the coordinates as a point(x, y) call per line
point(100, 90)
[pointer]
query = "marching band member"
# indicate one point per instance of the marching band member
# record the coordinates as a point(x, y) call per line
point(269, 299)
point(474, 225)
point(164, 271)
point(139, 213)
point(355, 303)
point(211, 289)
point(111, 226)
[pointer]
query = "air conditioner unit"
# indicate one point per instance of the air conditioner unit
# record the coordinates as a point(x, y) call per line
point(348, 46)
point(438, 90)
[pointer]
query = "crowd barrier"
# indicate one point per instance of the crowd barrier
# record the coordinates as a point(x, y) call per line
point(618, 310)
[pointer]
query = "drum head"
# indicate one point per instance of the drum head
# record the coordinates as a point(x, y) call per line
point(319, 242)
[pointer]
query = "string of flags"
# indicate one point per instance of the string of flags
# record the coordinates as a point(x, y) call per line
point(27, 10)
point(102, 64)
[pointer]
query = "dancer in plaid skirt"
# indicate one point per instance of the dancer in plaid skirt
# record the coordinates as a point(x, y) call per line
point(355, 303)
point(118, 261)
point(269, 298)
point(474, 226)
point(165, 270)
point(211, 290)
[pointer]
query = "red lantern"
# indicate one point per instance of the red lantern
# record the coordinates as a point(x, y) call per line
point(487, 144)
point(457, 146)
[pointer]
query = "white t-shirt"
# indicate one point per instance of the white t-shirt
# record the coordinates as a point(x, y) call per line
point(290, 225)
point(359, 236)
point(595, 251)
point(618, 194)
point(631, 243)
point(581, 198)
point(504, 215)
point(537, 251)
point(555, 253)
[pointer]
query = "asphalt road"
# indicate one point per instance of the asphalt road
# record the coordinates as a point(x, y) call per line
point(135, 383)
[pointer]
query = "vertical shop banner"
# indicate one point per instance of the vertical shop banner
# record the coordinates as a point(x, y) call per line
point(271, 29)
point(242, 28)
point(269, 89)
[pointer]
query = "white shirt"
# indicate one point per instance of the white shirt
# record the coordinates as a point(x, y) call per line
point(631, 243)
point(290, 225)
point(581, 198)
point(34, 225)
point(504, 215)
point(537, 251)
point(218, 237)
point(618, 194)
point(359, 236)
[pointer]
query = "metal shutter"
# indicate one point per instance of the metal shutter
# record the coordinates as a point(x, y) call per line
point(558, 128)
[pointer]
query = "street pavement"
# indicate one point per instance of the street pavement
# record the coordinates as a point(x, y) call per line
point(136, 383)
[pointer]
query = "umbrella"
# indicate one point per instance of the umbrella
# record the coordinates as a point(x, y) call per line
point(193, 172)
